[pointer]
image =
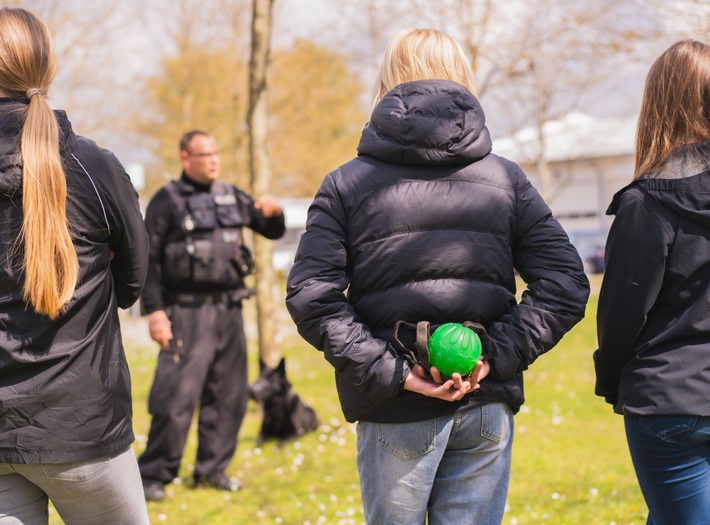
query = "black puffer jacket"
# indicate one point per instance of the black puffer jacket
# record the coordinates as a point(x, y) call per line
point(654, 308)
point(65, 390)
point(427, 224)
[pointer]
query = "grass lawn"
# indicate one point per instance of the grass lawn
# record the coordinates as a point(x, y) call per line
point(570, 462)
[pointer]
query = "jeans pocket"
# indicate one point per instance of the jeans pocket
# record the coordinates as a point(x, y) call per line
point(407, 440)
point(666, 427)
point(495, 421)
point(78, 471)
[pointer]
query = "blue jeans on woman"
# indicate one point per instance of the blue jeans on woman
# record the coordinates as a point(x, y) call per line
point(671, 456)
point(101, 491)
point(453, 469)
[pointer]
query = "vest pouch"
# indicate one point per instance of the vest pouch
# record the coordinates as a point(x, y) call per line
point(201, 207)
point(227, 211)
point(244, 261)
point(205, 267)
point(177, 268)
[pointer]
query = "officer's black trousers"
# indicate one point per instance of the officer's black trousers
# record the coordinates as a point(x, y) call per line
point(206, 367)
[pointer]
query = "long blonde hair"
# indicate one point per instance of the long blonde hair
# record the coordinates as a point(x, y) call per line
point(27, 68)
point(422, 54)
point(675, 109)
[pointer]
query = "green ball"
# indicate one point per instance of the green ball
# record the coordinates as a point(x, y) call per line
point(454, 348)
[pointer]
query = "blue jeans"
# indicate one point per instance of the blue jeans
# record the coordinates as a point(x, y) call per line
point(101, 491)
point(671, 456)
point(453, 469)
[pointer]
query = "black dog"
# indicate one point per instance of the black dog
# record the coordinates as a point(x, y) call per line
point(286, 416)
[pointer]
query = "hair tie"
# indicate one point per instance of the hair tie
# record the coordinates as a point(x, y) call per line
point(32, 92)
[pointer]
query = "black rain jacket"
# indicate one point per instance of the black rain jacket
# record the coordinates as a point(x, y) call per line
point(426, 224)
point(65, 392)
point(653, 319)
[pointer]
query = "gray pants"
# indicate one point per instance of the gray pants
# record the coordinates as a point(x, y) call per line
point(100, 491)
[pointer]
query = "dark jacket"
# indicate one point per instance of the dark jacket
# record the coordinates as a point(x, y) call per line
point(654, 307)
point(426, 224)
point(64, 384)
point(172, 266)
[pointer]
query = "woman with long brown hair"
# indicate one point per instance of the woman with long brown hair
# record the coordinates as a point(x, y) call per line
point(653, 361)
point(73, 249)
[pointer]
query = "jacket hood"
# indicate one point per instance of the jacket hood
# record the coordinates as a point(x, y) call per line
point(682, 184)
point(12, 118)
point(427, 122)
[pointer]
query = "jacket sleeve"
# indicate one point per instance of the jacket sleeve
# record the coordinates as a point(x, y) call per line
point(269, 227)
point(158, 218)
point(128, 240)
point(635, 261)
point(317, 303)
point(557, 287)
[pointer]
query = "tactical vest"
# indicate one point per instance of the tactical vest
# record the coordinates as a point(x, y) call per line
point(209, 255)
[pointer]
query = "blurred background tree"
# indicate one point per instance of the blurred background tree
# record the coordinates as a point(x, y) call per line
point(317, 116)
point(136, 74)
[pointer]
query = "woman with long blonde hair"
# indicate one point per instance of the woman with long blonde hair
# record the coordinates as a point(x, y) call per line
point(73, 249)
point(653, 361)
point(425, 227)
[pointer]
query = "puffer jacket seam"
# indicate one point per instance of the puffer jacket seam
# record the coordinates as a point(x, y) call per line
point(471, 179)
point(429, 230)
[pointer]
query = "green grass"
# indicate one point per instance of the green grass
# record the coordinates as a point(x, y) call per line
point(570, 462)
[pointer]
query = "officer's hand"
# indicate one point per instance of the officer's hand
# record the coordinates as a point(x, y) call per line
point(159, 327)
point(268, 206)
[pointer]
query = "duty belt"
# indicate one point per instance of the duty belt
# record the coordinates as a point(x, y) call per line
point(198, 298)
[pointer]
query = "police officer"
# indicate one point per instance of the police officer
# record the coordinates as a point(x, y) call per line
point(193, 298)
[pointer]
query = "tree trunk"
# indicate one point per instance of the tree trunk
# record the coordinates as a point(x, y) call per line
point(257, 120)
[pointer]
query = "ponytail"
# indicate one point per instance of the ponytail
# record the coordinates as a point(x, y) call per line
point(51, 265)
point(27, 68)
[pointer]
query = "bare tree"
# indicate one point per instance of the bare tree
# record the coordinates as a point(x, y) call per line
point(684, 19)
point(534, 60)
point(258, 122)
point(85, 42)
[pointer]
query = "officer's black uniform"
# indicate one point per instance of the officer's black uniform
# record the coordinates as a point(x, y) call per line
point(196, 269)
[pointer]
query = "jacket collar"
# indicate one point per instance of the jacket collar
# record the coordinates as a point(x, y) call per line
point(682, 183)
point(686, 161)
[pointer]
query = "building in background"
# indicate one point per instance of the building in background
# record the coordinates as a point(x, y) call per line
point(587, 160)
point(295, 211)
